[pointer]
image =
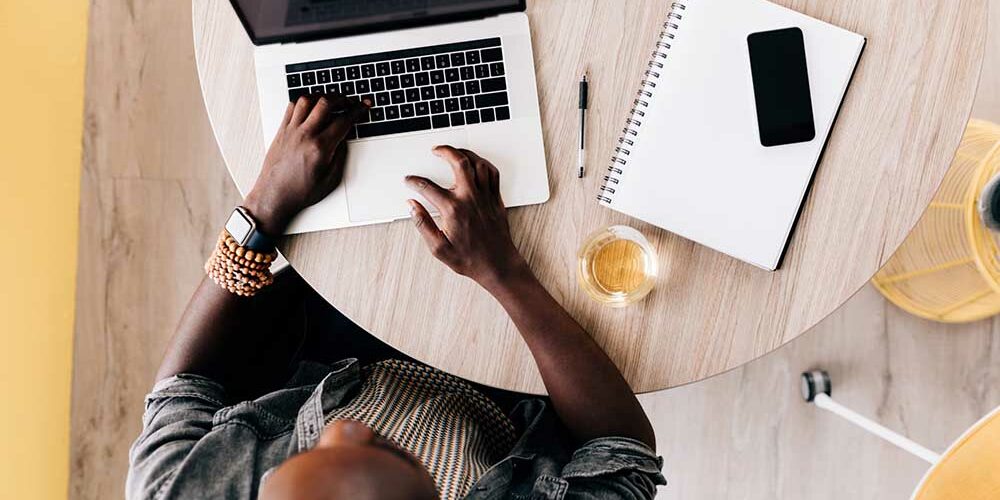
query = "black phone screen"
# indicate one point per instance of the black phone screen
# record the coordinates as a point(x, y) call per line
point(781, 87)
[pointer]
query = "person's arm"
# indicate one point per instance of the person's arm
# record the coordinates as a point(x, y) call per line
point(587, 391)
point(179, 413)
point(304, 164)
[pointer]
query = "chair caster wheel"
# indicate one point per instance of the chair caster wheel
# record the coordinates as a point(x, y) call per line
point(815, 383)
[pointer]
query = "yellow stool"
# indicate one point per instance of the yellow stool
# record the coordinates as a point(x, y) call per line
point(947, 269)
point(970, 469)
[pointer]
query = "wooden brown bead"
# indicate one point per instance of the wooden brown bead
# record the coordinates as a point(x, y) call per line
point(237, 269)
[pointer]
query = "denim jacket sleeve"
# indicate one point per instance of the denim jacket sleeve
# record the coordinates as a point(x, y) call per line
point(613, 467)
point(179, 413)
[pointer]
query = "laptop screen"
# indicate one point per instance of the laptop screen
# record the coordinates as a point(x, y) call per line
point(269, 21)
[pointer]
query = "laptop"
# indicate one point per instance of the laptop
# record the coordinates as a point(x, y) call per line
point(455, 72)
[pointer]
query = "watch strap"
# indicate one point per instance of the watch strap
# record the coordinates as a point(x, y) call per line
point(253, 238)
point(260, 242)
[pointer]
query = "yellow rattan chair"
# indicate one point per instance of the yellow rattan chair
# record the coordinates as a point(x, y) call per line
point(947, 269)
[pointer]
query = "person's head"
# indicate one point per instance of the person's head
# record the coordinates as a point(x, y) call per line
point(350, 462)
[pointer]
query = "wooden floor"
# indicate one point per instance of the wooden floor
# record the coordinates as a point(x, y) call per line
point(155, 191)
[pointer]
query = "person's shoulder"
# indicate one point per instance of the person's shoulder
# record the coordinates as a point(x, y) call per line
point(608, 467)
point(189, 427)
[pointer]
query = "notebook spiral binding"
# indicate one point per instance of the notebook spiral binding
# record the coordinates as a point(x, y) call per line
point(638, 113)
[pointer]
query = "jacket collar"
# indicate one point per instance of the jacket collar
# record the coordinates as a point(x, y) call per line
point(340, 384)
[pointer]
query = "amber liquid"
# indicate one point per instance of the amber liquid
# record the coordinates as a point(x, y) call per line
point(619, 267)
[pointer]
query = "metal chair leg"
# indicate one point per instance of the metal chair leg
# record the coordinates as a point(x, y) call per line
point(817, 388)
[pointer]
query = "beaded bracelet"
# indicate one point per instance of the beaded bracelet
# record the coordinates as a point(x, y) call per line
point(239, 270)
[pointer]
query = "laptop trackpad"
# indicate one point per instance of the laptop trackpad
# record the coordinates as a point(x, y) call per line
point(375, 172)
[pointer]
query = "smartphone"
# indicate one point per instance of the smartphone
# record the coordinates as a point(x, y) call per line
point(781, 87)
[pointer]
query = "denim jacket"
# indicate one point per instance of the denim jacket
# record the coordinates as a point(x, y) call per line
point(194, 446)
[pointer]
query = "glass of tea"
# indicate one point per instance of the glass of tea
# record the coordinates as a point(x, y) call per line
point(617, 266)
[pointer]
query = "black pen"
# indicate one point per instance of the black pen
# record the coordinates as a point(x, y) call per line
point(582, 158)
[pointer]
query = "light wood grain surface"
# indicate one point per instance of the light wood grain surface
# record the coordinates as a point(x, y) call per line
point(748, 435)
point(898, 130)
point(152, 197)
point(155, 191)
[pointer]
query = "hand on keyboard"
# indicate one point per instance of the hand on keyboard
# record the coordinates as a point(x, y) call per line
point(414, 90)
point(306, 161)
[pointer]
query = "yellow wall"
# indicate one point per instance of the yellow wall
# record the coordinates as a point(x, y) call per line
point(42, 52)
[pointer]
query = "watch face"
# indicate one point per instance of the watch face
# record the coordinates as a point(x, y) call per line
point(239, 227)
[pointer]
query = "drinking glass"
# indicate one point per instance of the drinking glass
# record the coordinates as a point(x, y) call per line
point(617, 266)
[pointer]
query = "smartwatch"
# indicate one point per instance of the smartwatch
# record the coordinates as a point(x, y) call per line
point(243, 228)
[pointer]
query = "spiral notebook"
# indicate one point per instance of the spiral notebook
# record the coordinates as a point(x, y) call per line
point(690, 159)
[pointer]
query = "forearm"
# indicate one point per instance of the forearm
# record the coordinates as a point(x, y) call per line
point(207, 334)
point(237, 340)
point(586, 388)
point(221, 332)
point(246, 344)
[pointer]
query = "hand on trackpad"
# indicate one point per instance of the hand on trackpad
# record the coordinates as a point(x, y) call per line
point(376, 169)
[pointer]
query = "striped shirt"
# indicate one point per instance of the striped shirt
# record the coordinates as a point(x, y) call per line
point(455, 432)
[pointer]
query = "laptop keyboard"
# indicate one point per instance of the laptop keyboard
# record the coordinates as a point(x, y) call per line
point(412, 90)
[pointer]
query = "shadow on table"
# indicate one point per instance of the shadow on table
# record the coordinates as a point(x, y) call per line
point(330, 336)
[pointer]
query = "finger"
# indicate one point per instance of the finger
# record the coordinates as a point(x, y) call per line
point(438, 196)
point(465, 174)
point(318, 114)
point(302, 108)
point(336, 174)
point(288, 115)
point(495, 183)
point(325, 111)
point(340, 125)
point(482, 169)
point(361, 110)
point(436, 241)
point(492, 173)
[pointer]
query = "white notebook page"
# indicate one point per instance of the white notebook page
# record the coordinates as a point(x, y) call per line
point(698, 168)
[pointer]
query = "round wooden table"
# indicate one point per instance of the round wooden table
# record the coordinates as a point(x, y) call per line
point(896, 135)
